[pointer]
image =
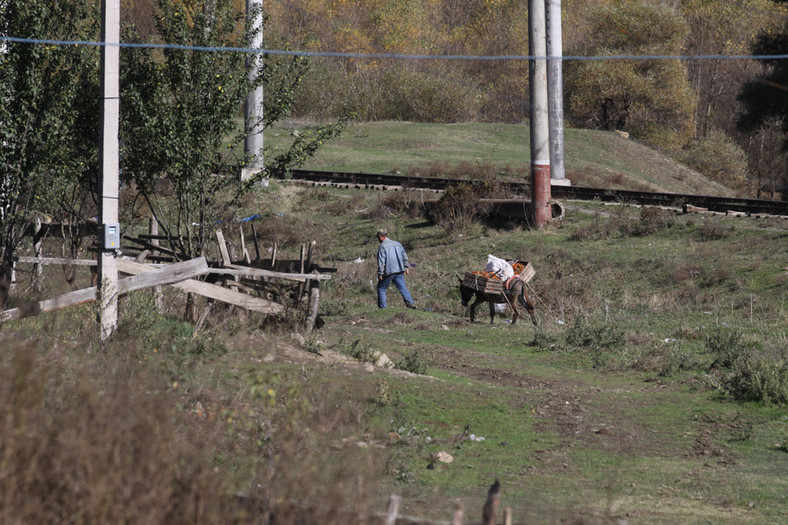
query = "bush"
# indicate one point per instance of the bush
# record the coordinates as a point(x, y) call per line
point(459, 207)
point(746, 372)
point(99, 448)
point(759, 376)
point(712, 230)
point(413, 362)
point(594, 335)
point(718, 157)
point(411, 94)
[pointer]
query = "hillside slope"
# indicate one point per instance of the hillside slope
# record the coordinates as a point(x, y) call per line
point(593, 158)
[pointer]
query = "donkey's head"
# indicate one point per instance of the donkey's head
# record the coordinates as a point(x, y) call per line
point(466, 294)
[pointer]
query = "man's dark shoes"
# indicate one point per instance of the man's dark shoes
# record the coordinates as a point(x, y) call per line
point(412, 306)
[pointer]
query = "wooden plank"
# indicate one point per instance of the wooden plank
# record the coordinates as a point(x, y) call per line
point(209, 290)
point(223, 248)
point(57, 260)
point(164, 275)
point(151, 246)
point(171, 274)
point(244, 252)
point(237, 269)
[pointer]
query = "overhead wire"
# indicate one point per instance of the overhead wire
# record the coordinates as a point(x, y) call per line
point(399, 56)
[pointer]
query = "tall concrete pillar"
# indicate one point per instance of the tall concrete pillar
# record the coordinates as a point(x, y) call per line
point(555, 92)
point(540, 134)
point(109, 167)
point(253, 109)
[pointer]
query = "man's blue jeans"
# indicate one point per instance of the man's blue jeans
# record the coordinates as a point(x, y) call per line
point(399, 282)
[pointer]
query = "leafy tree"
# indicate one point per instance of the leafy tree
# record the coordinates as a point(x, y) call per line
point(645, 97)
point(179, 115)
point(765, 97)
point(722, 28)
point(765, 112)
point(48, 115)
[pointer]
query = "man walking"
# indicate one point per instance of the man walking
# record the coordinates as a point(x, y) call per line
point(392, 267)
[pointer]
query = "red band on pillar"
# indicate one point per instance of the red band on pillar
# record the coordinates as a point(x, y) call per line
point(540, 193)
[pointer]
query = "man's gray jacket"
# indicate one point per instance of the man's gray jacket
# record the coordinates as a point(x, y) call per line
point(391, 258)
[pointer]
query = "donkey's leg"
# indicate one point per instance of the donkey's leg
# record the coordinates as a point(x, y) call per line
point(515, 311)
point(523, 300)
point(474, 304)
point(492, 311)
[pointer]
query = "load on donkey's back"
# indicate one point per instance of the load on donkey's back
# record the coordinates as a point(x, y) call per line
point(501, 282)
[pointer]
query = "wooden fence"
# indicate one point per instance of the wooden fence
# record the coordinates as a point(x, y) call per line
point(150, 263)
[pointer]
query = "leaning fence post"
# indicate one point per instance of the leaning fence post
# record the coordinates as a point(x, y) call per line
point(392, 509)
point(507, 516)
point(314, 300)
point(38, 271)
point(158, 296)
point(458, 514)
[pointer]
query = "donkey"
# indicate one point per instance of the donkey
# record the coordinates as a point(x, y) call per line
point(513, 295)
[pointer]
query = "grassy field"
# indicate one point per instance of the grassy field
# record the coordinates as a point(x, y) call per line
point(653, 391)
point(592, 158)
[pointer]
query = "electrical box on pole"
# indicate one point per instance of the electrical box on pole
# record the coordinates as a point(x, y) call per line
point(110, 238)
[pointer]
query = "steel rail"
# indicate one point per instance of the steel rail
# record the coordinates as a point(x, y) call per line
point(708, 202)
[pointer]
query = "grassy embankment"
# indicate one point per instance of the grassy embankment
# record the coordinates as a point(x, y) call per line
point(654, 390)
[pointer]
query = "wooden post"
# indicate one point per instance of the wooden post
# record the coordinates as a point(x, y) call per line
point(226, 261)
point(12, 284)
point(203, 317)
point(301, 286)
point(507, 516)
point(256, 244)
point(314, 300)
point(392, 509)
point(158, 296)
point(38, 270)
point(309, 257)
point(458, 514)
point(273, 256)
point(244, 251)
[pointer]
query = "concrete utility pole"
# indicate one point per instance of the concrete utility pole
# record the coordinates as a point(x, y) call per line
point(540, 140)
point(253, 109)
point(555, 93)
point(109, 230)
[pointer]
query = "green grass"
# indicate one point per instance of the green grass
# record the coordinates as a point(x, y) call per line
point(592, 158)
point(575, 429)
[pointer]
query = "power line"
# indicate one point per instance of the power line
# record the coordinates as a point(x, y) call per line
point(398, 56)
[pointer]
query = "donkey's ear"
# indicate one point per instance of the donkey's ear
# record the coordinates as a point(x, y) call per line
point(459, 278)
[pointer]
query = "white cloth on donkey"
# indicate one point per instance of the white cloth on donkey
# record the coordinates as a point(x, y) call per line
point(500, 267)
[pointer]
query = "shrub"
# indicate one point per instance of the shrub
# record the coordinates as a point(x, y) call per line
point(593, 335)
point(358, 350)
point(99, 447)
point(592, 231)
point(759, 376)
point(653, 220)
point(413, 362)
point(712, 230)
point(719, 158)
point(459, 207)
point(746, 372)
point(406, 201)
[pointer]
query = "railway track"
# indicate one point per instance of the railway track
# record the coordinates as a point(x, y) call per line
point(522, 189)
